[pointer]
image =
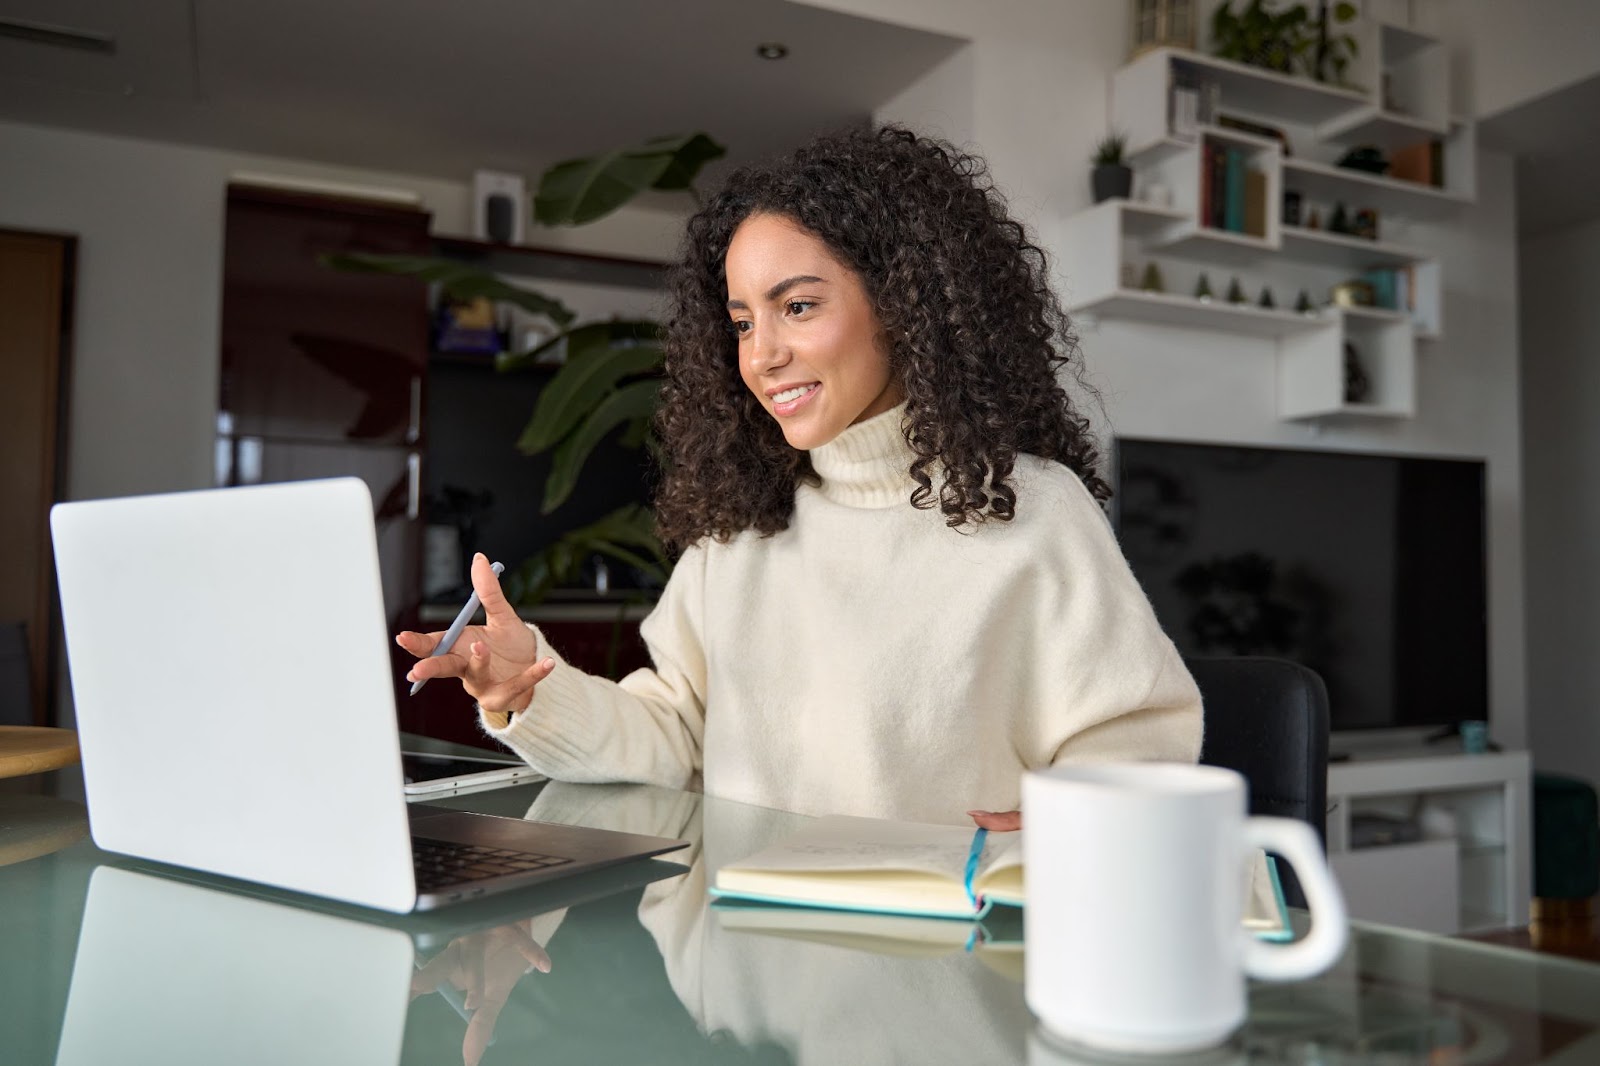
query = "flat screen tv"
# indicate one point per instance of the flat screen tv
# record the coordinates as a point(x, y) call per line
point(1370, 569)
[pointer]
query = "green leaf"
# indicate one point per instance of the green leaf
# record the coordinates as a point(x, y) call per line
point(458, 280)
point(1344, 11)
point(635, 435)
point(629, 524)
point(635, 400)
point(633, 559)
point(686, 155)
point(596, 363)
point(615, 535)
point(581, 190)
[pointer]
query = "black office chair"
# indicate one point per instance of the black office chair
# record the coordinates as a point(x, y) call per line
point(1268, 719)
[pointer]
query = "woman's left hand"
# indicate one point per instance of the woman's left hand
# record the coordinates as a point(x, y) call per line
point(998, 821)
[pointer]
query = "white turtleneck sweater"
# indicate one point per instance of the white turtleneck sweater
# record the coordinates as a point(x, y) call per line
point(871, 660)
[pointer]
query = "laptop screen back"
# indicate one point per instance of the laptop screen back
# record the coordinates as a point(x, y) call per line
point(231, 681)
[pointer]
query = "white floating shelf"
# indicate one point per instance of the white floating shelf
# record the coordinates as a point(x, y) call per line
point(1161, 149)
point(1342, 250)
point(1401, 43)
point(1281, 96)
point(1167, 309)
point(1223, 247)
point(1239, 138)
point(1361, 189)
point(1140, 219)
point(1386, 129)
point(1365, 410)
point(1376, 314)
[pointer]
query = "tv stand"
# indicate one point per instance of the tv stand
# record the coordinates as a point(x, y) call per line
point(1431, 841)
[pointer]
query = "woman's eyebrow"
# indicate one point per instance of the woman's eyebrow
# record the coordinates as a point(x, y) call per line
point(777, 290)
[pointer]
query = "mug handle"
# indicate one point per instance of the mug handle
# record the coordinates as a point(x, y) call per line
point(1330, 925)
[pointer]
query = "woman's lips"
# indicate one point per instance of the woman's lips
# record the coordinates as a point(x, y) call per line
point(785, 409)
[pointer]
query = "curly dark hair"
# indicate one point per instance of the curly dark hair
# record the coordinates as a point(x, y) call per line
point(974, 331)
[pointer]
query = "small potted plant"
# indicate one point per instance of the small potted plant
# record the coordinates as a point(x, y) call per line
point(1111, 176)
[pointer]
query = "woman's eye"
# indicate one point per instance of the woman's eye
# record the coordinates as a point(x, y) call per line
point(737, 327)
point(801, 304)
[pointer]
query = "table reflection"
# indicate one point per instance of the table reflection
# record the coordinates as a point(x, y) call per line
point(636, 964)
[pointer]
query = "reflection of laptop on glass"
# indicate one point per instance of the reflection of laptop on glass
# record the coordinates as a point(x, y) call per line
point(173, 971)
point(231, 677)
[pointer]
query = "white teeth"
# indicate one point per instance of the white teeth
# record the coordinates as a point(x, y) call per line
point(792, 394)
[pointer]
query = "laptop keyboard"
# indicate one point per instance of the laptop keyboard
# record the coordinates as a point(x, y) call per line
point(442, 863)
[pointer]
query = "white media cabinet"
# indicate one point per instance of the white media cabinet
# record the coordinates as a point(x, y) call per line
point(1471, 869)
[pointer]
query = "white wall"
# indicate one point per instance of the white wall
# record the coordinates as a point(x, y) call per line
point(148, 217)
point(1521, 51)
point(1030, 92)
point(1561, 481)
point(1039, 77)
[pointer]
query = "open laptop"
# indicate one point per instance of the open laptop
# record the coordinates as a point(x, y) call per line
point(231, 675)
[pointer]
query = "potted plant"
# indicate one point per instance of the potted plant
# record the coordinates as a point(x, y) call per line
point(1111, 177)
point(611, 375)
point(1282, 39)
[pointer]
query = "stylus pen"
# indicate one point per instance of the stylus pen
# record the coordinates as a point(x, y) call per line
point(453, 634)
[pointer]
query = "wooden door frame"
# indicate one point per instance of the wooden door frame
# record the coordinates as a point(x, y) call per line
point(45, 641)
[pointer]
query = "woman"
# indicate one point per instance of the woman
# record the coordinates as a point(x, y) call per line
point(897, 589)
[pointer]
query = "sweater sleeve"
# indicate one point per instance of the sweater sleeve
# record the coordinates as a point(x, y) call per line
point(646, 728)
point(1112, 685)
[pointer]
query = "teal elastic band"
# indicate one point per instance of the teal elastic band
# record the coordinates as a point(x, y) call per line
point(972, 865)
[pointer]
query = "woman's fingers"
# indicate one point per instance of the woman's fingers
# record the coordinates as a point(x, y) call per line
point(486, 583)
point(997, 821)
point(450, 664)
point(513, 695)
point(418, 644)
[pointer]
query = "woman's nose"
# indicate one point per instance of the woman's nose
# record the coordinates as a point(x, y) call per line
point(767, 351)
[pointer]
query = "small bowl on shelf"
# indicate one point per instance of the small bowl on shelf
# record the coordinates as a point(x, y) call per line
point(1366, 158)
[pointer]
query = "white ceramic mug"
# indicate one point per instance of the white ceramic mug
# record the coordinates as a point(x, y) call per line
point(1133, 934)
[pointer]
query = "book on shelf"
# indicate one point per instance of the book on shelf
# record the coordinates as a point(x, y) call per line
point(1217, 195)
point(1233, 186)
point(1184, 119)
point(846, 864)
point(1394, 289)
point(1255, 203)
point(1422, 163)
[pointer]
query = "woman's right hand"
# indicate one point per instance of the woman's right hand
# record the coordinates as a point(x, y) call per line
point(497, 662)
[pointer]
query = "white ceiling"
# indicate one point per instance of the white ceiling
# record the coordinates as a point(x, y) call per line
point(1558, 156)
point(444, 87)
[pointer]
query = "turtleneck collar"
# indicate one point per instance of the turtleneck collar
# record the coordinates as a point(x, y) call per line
point(867, 464)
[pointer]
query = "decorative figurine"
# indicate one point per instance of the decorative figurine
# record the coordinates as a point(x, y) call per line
point(1357, 385)
point(1266, 298)
point(1291, 208)
point(1202, 289)
point(1151, 282)
point(1236, 292)
point(1303, 304)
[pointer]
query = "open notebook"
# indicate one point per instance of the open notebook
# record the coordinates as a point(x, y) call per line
point(930, 871)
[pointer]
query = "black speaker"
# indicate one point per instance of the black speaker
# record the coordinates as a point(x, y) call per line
point(500, 217)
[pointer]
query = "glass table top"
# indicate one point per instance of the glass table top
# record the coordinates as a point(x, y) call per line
point(109, 960)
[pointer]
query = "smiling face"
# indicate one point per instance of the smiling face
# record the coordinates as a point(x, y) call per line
point(810, 346)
